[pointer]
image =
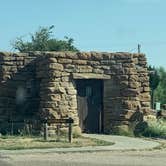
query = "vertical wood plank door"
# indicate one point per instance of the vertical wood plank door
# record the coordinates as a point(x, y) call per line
point(89, 101)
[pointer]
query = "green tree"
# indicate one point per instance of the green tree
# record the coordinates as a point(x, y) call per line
point(160, 92)
point(43, 40)
point(154, 80)
point(154, 77)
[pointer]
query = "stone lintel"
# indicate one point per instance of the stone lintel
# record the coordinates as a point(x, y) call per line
point(90, 76)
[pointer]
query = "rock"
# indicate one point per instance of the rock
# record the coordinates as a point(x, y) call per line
point(130, 92)
point(65, 61)
point(84, 69)
point(79, 62)
point(55, 66)
point(131, 105)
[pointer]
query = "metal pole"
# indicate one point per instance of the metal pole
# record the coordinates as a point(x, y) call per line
point(139, 48)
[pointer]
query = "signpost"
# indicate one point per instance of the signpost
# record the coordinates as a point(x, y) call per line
point(68, 121)
point(157, 108)
point(45, 131)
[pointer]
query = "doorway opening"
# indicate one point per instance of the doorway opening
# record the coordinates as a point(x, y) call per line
point(90, 105)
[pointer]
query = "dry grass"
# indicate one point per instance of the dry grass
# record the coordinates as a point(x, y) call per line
point(17, 142)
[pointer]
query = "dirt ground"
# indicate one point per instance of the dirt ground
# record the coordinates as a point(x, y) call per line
point(114, 158)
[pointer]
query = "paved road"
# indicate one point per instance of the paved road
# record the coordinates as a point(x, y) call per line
point(114, 158)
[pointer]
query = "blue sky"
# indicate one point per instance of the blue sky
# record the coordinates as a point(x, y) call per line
point(95, 25)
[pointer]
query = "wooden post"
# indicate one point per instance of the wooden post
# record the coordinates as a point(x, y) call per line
point(70, 130)
point(45, 131)
point(12, 128)
point(58, 132)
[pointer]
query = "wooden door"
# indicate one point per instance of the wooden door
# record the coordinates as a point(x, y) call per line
point(89, 99)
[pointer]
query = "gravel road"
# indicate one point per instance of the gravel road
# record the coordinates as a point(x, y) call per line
point(114, 158)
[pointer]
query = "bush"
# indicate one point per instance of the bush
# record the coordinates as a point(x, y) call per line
point(151, 127)
point(76, 132)
point(124, 130)
point(155, 128)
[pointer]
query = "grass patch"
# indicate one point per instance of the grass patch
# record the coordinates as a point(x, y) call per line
point(23, 142)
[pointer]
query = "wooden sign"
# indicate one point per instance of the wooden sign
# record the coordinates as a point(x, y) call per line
point(69, 120)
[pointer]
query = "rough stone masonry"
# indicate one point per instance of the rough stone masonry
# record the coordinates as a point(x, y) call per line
point(42, 84)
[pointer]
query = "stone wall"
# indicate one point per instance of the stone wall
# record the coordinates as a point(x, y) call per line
point(42, 84)
point(19, 97)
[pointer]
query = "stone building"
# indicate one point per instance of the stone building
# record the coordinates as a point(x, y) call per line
point(100, 91)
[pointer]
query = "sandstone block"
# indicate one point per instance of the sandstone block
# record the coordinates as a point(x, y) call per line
point(71, 91)
point(72, 55)
point(51, 60)
point(96, 56)
point(146, 89)
point(70, 68)
point(84, 69)
point(52, 105)
point(98, 71)
point(93, 63)
point(124, 84)
point(133, 78)
point(145, 84)
point(146, 110)
point(131, 105)
point(64, 60)
point(108, 62)
point(55, 54)
point(145, 104)
point(130, 92)
point(129, 65)
point(84, 55)
point(145, 96)
point(123, 77)
point(130, 71)
point(55, 66)
point(134, 85)
point(52, 97)
point(79, 62)
point(54, 89)
point(65, 79)
point(143, 79)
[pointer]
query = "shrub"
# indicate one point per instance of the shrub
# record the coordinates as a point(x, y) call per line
point(124, 130)
point(76, 132)
point(151, 127)
point(155, 128)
